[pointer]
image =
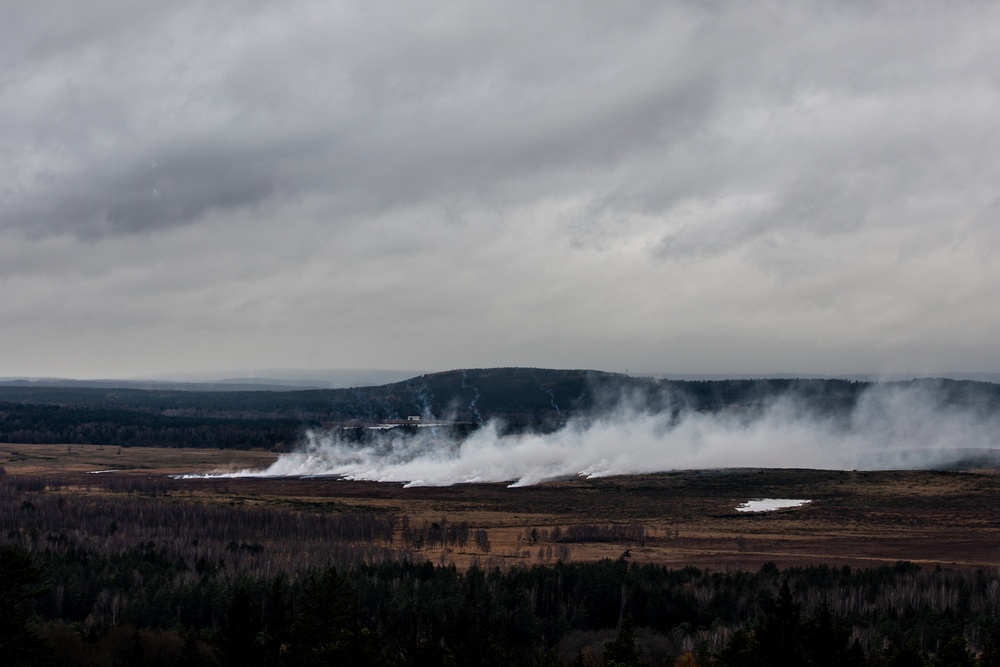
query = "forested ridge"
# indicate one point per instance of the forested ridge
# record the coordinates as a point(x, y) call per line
point(137, 575)
point(519, 398)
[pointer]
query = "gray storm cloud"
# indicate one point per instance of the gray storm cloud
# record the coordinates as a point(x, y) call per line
point(890, 428)
point(778, 187)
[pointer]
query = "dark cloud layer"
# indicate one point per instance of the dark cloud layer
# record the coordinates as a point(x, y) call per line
point(684, 186)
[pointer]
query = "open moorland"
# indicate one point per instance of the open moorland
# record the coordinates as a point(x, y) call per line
point(858, 519)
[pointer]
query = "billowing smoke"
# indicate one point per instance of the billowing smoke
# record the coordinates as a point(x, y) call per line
point(889, 427)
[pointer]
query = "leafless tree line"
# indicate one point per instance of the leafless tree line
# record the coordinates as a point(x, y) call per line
point(618, 533)
point(255, 540)
point(443, 533)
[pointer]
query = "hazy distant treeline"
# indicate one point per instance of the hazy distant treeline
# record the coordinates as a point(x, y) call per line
point(48, 423)
point(520, 399)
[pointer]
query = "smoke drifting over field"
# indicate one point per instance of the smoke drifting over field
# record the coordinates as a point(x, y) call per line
point(889, 427)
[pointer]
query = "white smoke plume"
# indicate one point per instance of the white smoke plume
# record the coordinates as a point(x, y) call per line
point(890, 427)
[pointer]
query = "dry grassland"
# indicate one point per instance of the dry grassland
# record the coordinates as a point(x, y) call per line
point(61, 460)
point(689, 518)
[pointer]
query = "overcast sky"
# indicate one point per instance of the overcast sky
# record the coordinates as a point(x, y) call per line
point(685, 187)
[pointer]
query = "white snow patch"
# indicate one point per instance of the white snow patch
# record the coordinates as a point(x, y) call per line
point(769, 504)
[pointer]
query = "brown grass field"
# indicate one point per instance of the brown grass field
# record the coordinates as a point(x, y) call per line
point(855, 518)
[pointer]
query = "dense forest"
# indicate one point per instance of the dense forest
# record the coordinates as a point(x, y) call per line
point(134, 573)
point(519, 398)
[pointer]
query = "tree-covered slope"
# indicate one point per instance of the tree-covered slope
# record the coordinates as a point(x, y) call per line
point(519, 397)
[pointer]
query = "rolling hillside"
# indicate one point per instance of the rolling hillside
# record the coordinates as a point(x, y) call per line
point(522, 398)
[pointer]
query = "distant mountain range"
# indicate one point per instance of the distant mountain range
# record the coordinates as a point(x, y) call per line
point(291, 379)
point(272, 379)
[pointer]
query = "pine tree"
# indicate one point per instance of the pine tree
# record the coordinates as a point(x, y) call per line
point(238, 639)
point(622, 651)
point(778, 636)
point(954, 654)
point(740, 651)
point(19, 644)
point(327, 628)
point(907, 655)
point(826, 642)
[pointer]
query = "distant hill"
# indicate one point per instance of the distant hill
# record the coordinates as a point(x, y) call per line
point(521, 398)
point(460, 394)
point(862, 377)
point(274, 379)
point(242, 384)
